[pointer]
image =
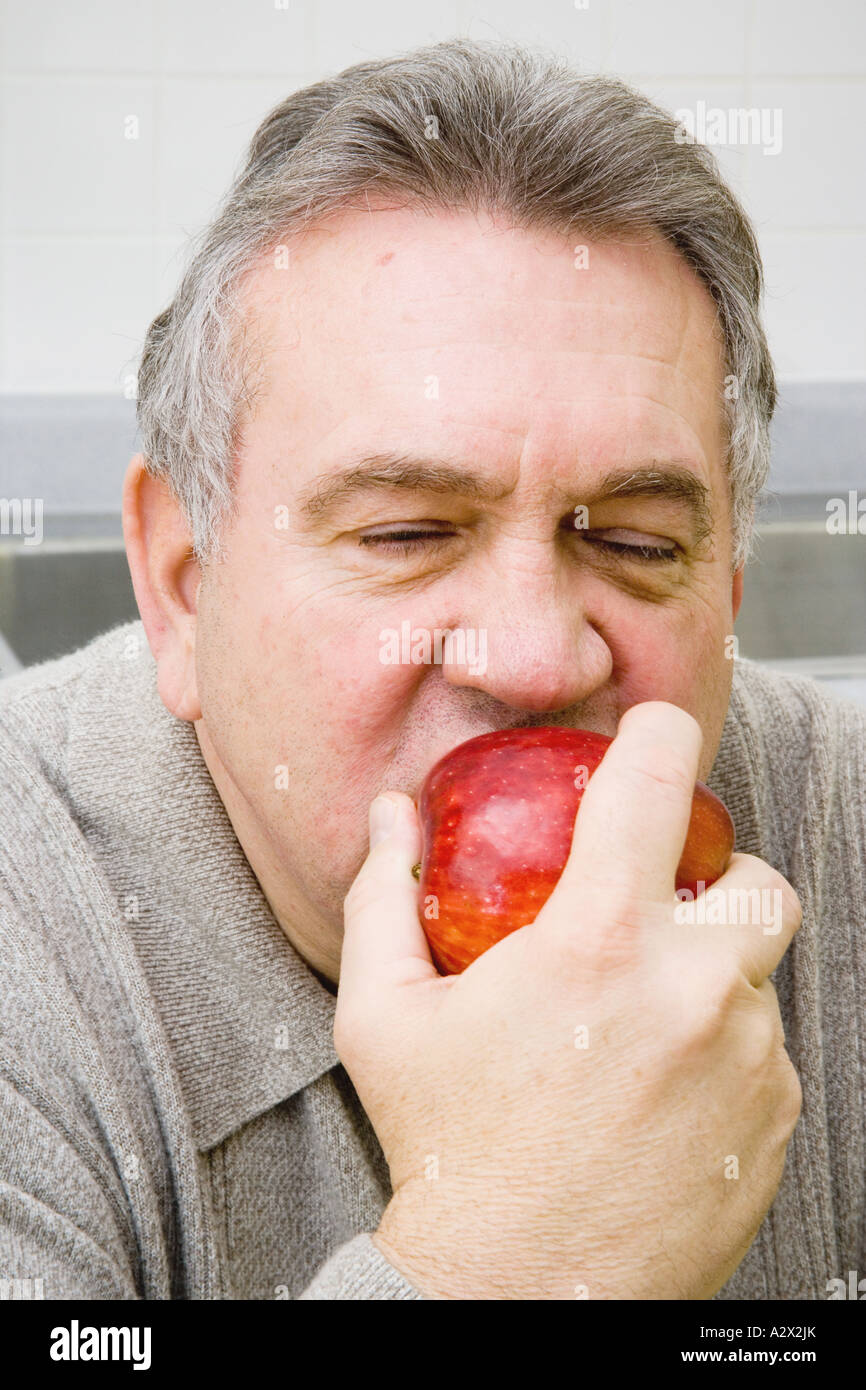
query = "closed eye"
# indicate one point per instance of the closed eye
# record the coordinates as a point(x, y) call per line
point(650, 553)
point(406, 542)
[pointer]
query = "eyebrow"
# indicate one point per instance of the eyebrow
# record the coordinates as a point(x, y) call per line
point(379, 472)
point(669, 480)
point(672, 481)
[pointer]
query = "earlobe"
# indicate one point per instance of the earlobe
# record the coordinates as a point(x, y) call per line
point(737, 590)
point(166, 579)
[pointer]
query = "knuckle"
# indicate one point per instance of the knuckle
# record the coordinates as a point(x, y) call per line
point(720, 999)
point(704, 1015)
point(783, 1100)
point(792, 908)
point(765, 1035)
point(791, 1097)
point(762, 875)
point(724, 992)
point(606, 929)
point(666, 776)
point(613, 905)
point(765, 1028)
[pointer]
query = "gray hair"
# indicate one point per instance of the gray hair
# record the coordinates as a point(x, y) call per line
point(514, 130)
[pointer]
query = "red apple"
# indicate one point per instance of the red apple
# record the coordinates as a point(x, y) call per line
point(497, 816)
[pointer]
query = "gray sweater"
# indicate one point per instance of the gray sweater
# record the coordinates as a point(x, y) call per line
point(174, 1122)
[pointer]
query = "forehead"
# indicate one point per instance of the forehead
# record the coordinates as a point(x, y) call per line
point(514, 332)
point(389, 264)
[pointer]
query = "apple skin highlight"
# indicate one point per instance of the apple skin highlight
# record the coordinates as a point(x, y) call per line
point(497, 816)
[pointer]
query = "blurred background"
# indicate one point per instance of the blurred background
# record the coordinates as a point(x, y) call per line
point(123, 121)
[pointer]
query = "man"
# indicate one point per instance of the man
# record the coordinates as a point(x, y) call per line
point(474, 343)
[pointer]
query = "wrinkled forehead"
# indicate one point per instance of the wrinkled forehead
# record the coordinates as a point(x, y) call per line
point(587, 346)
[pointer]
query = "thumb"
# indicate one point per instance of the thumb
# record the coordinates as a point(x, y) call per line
point(383, 938)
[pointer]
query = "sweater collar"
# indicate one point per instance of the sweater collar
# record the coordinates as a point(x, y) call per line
point(248, 1023)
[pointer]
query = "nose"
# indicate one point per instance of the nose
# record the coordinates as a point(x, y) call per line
point(541, 653)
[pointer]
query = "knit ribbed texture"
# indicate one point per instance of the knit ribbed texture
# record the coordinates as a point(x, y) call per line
point(174, 1122)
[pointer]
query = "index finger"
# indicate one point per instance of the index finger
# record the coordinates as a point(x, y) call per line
point(634, 814)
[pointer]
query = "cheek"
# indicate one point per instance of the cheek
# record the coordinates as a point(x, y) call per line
point(681, 657)
point(337, 677)
point(668, 653)
point(305, 688)
point(304, 719)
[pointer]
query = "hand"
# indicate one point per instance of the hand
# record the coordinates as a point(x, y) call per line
point(602, 1101)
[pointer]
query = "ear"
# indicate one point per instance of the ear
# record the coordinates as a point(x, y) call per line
point(166, 578)
point(737, 590)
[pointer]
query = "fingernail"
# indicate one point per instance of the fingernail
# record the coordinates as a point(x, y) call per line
point(383, 813)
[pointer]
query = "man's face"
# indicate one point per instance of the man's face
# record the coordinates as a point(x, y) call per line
point(461, 345)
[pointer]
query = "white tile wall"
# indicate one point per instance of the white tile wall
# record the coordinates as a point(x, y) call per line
point(347, 32)
point(234, 36)
point(74, 308)
point(96, 36)
point(580, 32)
point(679, 37)
point(819, 177)
point(796, 40)
point(93, 223)
point(816, 303)
point(78, 155)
